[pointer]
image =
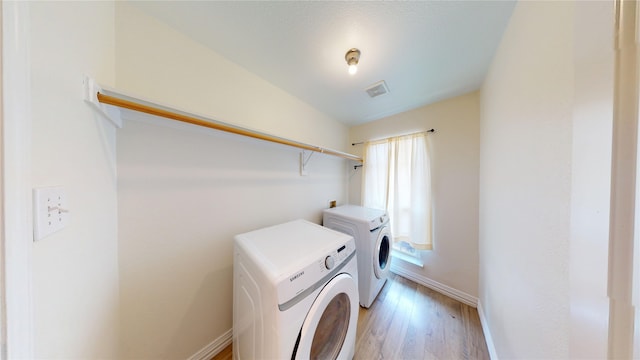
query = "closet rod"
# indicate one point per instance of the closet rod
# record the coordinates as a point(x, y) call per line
point(132, 105)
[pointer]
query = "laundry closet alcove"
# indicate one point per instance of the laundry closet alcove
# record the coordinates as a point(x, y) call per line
point(183, 192)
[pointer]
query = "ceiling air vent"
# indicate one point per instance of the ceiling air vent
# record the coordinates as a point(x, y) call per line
point(377, 89)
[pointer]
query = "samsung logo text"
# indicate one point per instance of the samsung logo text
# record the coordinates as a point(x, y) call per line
point(296, 276)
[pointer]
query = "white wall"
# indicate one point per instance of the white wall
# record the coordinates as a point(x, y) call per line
point(16, 177)
point(591, 178)
point(453, 262)
point(184, 192)
point(544, 182)
point(525, 184)
point(170, 68)
point(75, 271)
point(3, 341)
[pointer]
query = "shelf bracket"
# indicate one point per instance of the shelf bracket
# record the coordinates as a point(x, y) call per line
point(303, 162)
point(90, 95)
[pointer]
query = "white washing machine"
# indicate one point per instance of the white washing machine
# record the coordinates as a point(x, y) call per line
point(295, 293)
point(370, 229)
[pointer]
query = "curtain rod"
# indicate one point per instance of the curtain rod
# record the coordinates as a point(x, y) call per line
point(195, 120)
point(419, 132)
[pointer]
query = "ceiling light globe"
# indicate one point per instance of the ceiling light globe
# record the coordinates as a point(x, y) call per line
point(352, 57)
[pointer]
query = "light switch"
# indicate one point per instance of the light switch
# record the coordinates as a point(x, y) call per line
point(50, 211)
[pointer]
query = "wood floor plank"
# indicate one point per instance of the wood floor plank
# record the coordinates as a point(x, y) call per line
point(420, 327)
point(410, 321)
point(398, 328)
point(375, 328)
point(225, 354)
point(475, 341)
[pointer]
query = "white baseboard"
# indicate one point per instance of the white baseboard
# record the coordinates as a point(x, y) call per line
point(441, 288)
point(211, 350)
point(493, 355)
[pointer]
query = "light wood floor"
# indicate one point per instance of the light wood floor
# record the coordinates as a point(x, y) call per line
point(410, 321)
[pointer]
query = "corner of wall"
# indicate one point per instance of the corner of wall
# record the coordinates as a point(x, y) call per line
point(434, 285)
point(487, 332)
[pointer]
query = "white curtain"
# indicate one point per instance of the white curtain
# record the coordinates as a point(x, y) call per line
point(397, 178)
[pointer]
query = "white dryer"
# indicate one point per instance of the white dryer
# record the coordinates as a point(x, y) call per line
point(295, 293)
point(370, 229)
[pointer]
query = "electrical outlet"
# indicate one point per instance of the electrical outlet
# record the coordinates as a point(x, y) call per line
point(332, 204)
point(50, 211)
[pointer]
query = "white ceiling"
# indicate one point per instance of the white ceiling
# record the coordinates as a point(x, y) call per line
point(426, 51)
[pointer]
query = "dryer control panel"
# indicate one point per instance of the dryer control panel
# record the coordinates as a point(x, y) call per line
point(378, 221)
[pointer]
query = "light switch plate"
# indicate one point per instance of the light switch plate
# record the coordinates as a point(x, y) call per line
point(50, 211)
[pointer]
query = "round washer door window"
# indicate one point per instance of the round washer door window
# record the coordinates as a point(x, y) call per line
point(331, 320)
point(332, 329)
point(382, 255)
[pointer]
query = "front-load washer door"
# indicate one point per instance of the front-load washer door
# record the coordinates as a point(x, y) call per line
point(382, 253)
point(329, 329)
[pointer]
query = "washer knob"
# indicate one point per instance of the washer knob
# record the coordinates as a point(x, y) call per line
point(329, 262)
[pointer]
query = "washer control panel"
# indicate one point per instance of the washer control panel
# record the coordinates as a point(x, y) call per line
point(329, 262)
point(293, 284)
point(336, 257)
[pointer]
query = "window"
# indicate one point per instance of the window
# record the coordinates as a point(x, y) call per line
point(397, 178)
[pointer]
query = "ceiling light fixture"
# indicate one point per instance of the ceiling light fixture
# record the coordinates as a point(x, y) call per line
point(352, 57)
